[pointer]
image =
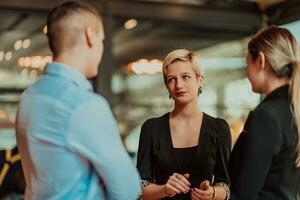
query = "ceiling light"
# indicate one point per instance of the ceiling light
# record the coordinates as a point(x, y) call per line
point(8, 55)
point(37, 62)
point(18, 44)
point(21, 61)
point(27, 62)
point(2, 114)
point(144, 66)
point(130, 24)
point(26, 43)
point(24, 73)
point(45, 29)
point(33, 74)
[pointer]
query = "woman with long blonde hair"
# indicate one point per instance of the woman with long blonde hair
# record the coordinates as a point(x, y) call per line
point(265, 162)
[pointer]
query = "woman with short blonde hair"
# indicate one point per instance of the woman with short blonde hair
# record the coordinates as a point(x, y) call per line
point(184, 153)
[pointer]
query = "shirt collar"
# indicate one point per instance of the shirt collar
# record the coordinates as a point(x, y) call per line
point(282, 91)
point(60, 69)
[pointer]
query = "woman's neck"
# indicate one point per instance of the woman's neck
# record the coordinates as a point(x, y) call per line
point(189, 110)
point(274, 84)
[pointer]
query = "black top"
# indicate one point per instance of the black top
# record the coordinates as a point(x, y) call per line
point(184, 157)
point(262, 164)
point(156, 159)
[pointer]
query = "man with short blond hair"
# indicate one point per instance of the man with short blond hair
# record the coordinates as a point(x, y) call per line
point(66, 134)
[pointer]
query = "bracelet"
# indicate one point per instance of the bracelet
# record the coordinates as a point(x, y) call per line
point(143, 184)
point(165, 191)
point(226, 188)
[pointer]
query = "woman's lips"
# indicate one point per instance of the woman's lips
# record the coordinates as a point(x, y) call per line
point(179, 94)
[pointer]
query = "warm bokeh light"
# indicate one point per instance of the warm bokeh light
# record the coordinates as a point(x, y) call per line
point(37, 62)
point(26, 43)
point(21, 61)
point(144, 66)
point(2, 114)
point(24, 73)
point(138, 66)
point(33, 74)
point(27, 62)
point(18, 44)
point(130, 24)
point(8, 55)
point(45, 29)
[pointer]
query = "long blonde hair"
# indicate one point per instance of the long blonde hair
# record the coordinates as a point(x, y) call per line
point(282, 54)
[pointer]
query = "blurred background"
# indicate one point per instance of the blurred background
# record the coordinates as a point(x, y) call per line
point(138, 34)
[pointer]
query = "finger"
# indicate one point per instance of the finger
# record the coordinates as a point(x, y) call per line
point(208, 192)
point(180, 185)
point(175, 181)
point(186, 175)
point(175, 174)
point(204, 185)
point(183, 179)
point(197, 191)
point(169, 186)
point(196, 195)
point(200, 197)
point(203, 193)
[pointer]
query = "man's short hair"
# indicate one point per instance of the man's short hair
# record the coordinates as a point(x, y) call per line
point(57, 33)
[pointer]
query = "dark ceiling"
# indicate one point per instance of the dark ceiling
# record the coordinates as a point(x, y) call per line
point(162, 26)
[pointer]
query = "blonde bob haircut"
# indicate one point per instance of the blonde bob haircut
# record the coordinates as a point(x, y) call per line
point(183, 55)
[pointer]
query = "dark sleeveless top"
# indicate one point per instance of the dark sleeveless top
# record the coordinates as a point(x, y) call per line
point(184, 157)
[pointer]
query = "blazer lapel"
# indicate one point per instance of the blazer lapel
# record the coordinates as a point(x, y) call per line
point(166, 145)
point(207, 137)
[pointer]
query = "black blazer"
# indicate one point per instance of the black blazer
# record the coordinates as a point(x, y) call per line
point(262, 164)
point(156, 160)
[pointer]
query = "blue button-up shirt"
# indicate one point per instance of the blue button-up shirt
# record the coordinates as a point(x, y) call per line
point(68, 141)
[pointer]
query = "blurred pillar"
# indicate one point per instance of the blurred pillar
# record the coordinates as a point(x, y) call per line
point(102, 83)
point(221, 109)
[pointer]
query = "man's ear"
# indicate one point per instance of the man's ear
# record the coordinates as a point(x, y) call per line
point(262, 60)
point(89, 36)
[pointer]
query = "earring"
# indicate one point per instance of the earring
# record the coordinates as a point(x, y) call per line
point(199, 90)
point(170, 96)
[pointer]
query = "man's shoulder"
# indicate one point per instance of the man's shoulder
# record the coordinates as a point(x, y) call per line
point(63, 92)
point(90, 101)
point(91, 98)
point(52, 87)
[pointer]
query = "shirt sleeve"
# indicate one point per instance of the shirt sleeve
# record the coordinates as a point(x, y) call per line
point(262, 141)
point(223, 152)
point(94, 135)
point(145, 153)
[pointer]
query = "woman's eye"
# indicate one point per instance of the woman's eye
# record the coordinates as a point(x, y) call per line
point(170, 80)
point(185, 77)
